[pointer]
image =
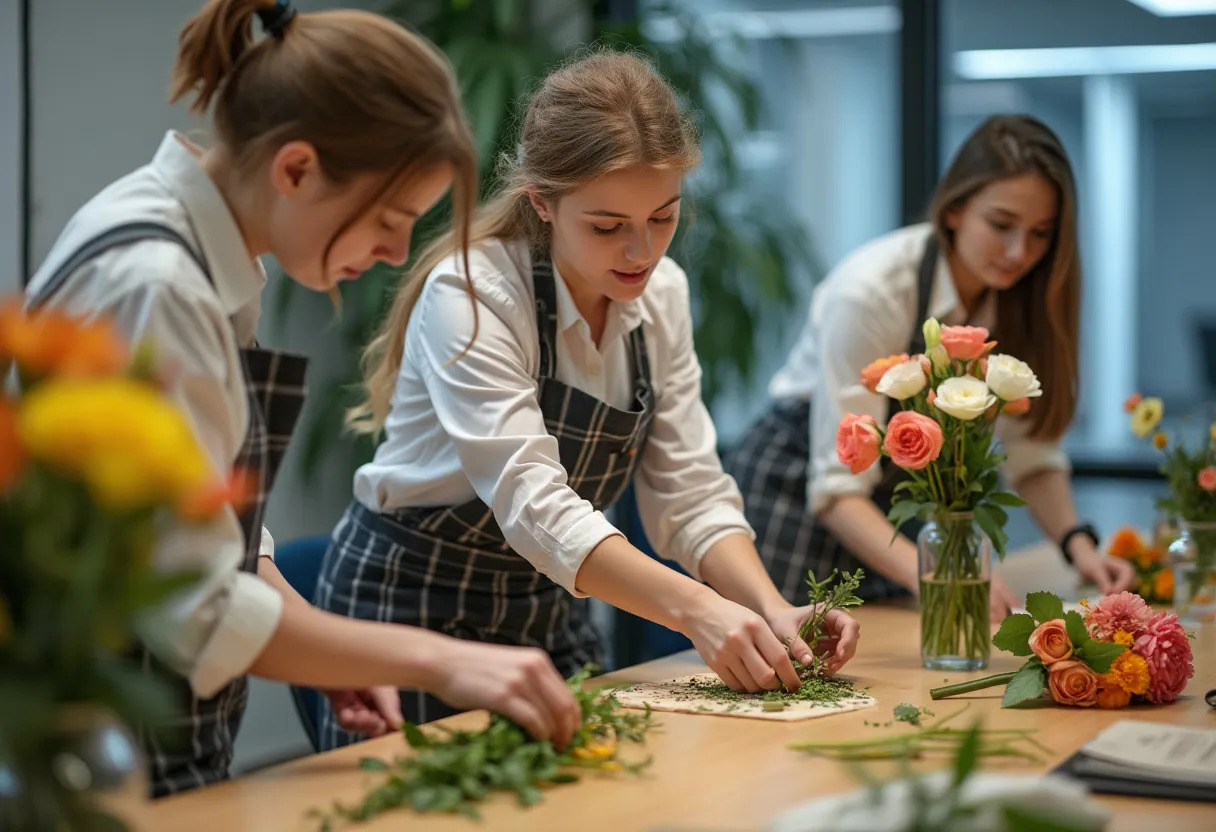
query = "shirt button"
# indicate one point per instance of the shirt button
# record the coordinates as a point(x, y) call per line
point(595, 370)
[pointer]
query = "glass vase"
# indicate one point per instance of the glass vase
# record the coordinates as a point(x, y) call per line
point(1192, 558)
point(955, 562)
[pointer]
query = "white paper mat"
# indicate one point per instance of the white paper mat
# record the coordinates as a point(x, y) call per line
point(678, 696)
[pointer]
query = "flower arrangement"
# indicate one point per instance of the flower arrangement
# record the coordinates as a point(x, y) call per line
point(1154, 578)
point(94, 458)
point(943, 438)
point(1191, 479)
point(1118, 653)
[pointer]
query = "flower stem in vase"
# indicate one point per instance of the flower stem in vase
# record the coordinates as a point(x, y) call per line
point(954, 593)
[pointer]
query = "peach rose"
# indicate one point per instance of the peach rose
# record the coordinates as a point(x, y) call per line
point(857, 442)
point(1017, 407)
point(1207, 479)
point(1050, 641)
point(875, 370)
point(1073, 683)
point(913, 440)
point(964, 343)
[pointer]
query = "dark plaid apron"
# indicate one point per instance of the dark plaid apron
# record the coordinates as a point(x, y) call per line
point(196, 747)
point(770, 465)
point(449, 568)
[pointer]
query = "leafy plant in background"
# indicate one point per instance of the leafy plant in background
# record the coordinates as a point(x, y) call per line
point(740, 257)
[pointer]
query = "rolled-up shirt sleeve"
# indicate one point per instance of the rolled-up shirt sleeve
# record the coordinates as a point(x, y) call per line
point(686, 501)
point(1025, 455)
point(212, 633)
point(855, 331)
point(485, 397)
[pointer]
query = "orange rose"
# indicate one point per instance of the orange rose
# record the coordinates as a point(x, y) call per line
point(1017, 407)
point(875, 370)
point(1050, 642)
point(857, 442)
point(48, 342)
point(1073, 683)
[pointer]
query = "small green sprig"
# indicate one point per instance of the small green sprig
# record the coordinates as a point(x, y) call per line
point(837, 591)
point(910, 713)
point(456, 770)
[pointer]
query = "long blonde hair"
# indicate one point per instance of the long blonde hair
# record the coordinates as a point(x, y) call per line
point(1039, 319)
point(370, 96)
point(600, 113)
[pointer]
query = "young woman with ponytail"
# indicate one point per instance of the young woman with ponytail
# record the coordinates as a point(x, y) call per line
point(332, 135)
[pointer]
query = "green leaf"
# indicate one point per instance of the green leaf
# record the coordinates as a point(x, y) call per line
point(1100, 655)
point(1026, 686)
point(1044, 606)
point(414, 736)
point(992, 527)
point(1006, 498)
point(1077, 633)
point(372, 764)
point(968, 754)
point(1014, 634)
point(1026, 820)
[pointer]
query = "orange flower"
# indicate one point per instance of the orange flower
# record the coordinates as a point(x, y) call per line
point(1150, 556)
point(205, 503)
point(1130, 404)
point(875, 370)
point(1160, 440)
point(1110, 694)
point(1123, 637)
point(12, 452)
point(1163, 584)
point(1018, 407)
point(49, 342)
point(1126, 544)
point(1130, 672)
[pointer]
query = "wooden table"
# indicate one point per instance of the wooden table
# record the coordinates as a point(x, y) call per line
point(712, 772)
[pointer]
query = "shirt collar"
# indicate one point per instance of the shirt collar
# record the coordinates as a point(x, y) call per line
point(238, 278)
point(947, 306)
point(623, 317)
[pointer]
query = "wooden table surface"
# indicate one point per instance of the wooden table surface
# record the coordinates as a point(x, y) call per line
point(713, 773)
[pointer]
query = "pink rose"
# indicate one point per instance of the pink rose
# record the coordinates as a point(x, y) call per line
point(964, 342)
point(1073, 683)
point(1050, 641)
point(1164, 645)
point(1207, 479)
point(913, 440)
point(857, 442)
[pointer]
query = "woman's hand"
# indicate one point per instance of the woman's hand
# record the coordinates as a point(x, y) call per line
point(841, 633)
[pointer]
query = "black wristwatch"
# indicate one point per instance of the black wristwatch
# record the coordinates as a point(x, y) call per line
point(1086, 529)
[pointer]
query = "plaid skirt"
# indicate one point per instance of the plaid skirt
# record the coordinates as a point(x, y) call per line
point(770, 465)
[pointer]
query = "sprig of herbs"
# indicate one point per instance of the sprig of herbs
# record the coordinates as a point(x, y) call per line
point(910, 713)
point(837, 591)
point(455, 771)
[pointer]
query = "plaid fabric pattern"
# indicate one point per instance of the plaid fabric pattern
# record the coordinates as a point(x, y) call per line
point(770, 465)
point(195, 748)
point(449, 569)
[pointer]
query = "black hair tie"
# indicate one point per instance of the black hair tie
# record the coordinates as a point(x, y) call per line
point(275, 18)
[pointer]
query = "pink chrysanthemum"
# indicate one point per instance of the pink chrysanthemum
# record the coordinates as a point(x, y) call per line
point(1125, 611)
point(1164, 645)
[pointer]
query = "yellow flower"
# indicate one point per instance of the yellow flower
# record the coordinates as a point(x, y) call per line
point(1130, 672)
point(1160, 440)
point(1146, 416)
point(596, 751)
point(1123, 637)
point(128, 444)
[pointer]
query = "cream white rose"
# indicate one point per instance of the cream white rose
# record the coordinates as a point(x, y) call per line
point(1011, 379)
point(903, 381)
point(964, 398)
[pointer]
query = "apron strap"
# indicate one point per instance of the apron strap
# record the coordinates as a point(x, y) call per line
point(119, 235)
point(545, 292)
point(924, 290)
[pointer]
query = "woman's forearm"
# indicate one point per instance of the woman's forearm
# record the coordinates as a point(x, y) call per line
point(865, 531)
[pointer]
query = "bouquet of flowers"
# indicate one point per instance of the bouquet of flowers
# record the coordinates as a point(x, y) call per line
point(1118, 653)
point(1191, 478)
point(942, 437)
point(1154, 578)
point(93, 460)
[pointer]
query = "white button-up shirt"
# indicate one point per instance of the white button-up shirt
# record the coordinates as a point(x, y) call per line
point(471, 427)
point(154, 290)
point(865, 310)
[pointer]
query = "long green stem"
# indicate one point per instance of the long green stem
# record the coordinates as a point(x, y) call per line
point(973, 685)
